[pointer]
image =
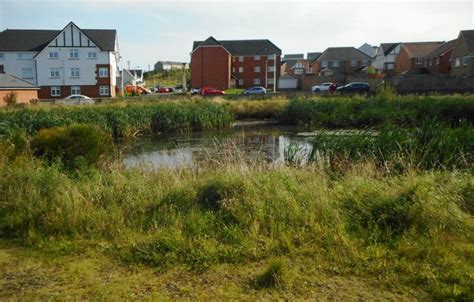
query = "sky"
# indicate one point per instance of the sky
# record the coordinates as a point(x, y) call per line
point(149, 31)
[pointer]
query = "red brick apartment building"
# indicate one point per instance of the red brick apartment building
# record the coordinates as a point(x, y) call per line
point(235, 63)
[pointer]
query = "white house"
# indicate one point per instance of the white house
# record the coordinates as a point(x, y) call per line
point(62, 62)
point(386, 56)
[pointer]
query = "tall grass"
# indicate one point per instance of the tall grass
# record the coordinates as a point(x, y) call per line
point(358, 112)
point(433, 145)
point(414, 228)
point(123, 120)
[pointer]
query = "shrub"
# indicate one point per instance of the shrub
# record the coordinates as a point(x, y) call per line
point(75, 145)
point(10, 99)
point(217, 194)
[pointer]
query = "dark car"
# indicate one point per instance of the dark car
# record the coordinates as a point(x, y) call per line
point(354, 88)
point(211, 91)
point(255, 90)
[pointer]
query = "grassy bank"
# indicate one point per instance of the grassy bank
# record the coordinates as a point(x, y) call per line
point(359, 112)
point(413, 231)
point(124, 119)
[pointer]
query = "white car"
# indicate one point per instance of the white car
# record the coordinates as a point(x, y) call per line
point(76, 99)
point(324, 87)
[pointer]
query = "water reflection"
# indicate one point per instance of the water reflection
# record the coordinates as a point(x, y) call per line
point(264, 143)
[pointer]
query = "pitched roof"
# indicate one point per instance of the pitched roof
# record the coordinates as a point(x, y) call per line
point(242, 47)
point(469, 38)
point(420, 49)
point(368, 49)
point(11, 82)
point(342, 54)
point(171, 62)
point(36, 40)
point(388, 47)
point(313, 55)
point(135, 72)
point(293, 56)
point(441, 49)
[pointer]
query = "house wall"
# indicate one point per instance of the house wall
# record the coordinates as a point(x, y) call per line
point(248, 74)
point(403, 61)
point(444, 66)
point(13, 65)
point(210, 66)
point(461, 50)
point(381, 60)
point(23, 96)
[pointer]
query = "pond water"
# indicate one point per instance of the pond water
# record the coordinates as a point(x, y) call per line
point(268, 143)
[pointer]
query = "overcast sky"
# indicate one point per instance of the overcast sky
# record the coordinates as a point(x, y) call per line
point(163, 30)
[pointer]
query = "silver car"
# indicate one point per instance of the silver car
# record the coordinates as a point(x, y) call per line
point(76, 99)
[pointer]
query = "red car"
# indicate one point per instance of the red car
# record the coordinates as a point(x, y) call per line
point(211, 91)
point(165, 89)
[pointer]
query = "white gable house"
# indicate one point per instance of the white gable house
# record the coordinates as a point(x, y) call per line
point(62, 62)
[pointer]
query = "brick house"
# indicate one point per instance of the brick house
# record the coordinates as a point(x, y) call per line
point(62, 62)
point(439, 60)
point(411, 56)
point(462, 58)
point(340, 61)
point(234, 63)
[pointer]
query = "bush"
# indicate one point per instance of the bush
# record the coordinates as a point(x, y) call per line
point(10, 99)
point(74, 146)
point(217, 194)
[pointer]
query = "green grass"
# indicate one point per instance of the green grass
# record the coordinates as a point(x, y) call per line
point(412, 230)
point(124, 119)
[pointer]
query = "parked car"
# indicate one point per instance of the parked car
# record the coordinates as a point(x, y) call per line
point(324, 87)
point(354, 87)
point(164, 89)
point(211, 91)
point(255, 90)
point(76, 99)
point(195, 90)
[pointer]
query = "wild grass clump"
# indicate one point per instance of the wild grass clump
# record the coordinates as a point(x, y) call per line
point(257, 109)
point(273, 276)
point(433, 145)
point(74, 146)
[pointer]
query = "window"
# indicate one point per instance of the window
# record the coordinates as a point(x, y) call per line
point(465, 60)
point(271, 69)
point(27, 73)
point(75, 72)
point(25, 56)
point(241, 81)
point(324, 64)
point(256, 81)
point(418, 61)
point(457, 62)
point(241, 69)
point(365, 63)
point(430, 62)
point(299, 65)
point(2, 56)
point(233, 69)
point(53, 55)
point(256, 69)
point(104, 90)
point(92, 55)
point(75, 90)
point(73, 53)
point(55, 91)
point(390, 66)
point(353, 63)
point(54, 72)
point(335, 64)
point(241, 59)
point(103, 72)
point(271, 57)
point(233, 59)
point(256, 58)
point(437, 61)
point(270, 81)
point(309, 70)
point(298, 70)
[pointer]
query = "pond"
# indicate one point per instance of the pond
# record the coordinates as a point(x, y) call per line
point(268, 143)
